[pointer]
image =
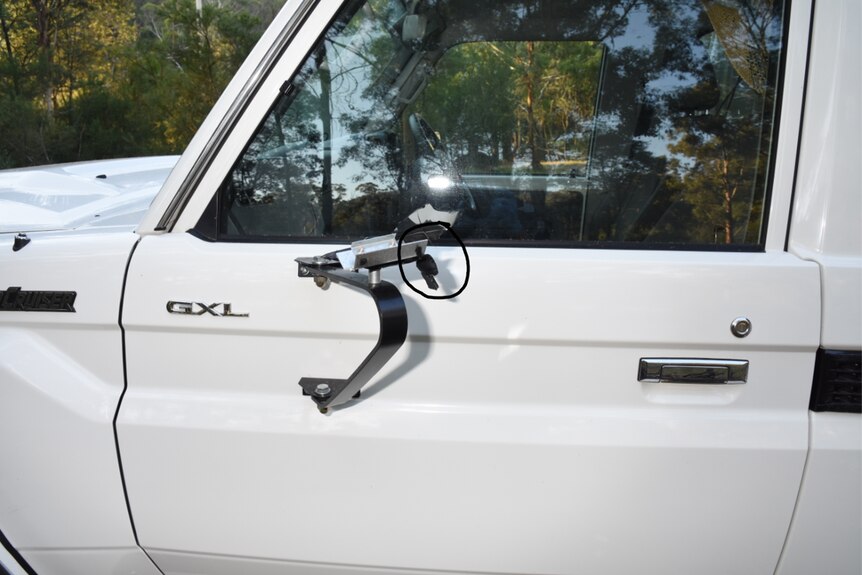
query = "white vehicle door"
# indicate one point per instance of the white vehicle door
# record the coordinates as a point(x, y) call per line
point(621, 384)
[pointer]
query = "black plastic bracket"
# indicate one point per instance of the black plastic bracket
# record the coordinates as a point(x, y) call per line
point(329, 392)
point(21, 240)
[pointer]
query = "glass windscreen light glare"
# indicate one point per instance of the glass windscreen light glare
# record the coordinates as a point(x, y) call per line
point(439, 183)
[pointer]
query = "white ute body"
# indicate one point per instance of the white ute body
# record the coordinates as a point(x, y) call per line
point(509, 434)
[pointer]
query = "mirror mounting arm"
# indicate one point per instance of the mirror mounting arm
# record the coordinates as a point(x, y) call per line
point(329, 392)
point(342, 267)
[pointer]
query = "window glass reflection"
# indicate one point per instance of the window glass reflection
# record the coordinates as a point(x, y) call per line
point(578, 122)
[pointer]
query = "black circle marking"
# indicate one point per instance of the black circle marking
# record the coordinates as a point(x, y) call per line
point(460, 243)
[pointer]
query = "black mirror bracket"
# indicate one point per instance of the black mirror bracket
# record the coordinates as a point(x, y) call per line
point(329, 392)
point(342, 267)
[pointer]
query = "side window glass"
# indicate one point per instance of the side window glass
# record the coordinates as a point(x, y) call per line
point(549, 123)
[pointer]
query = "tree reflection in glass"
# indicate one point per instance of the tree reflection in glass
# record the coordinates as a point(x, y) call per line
point(580, 121)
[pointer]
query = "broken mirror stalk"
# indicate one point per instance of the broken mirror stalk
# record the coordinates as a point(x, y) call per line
point(345, 267)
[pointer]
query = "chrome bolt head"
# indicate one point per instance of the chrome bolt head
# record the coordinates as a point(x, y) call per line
point(322, 390)
point(740, 327)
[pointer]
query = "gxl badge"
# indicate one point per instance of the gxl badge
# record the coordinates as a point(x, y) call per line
point(197, 308)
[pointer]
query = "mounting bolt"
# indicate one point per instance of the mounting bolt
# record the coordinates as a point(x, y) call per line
point(322, 390)
point(373, 277)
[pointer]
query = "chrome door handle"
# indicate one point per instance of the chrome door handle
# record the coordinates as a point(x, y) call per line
point(691, 370)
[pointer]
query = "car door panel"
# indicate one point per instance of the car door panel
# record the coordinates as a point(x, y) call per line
point(509, 435)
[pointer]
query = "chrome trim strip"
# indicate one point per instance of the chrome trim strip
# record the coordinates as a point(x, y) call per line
point(227, 123)
point(692, 370)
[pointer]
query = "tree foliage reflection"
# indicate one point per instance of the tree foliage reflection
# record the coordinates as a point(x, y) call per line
point(641, 121)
